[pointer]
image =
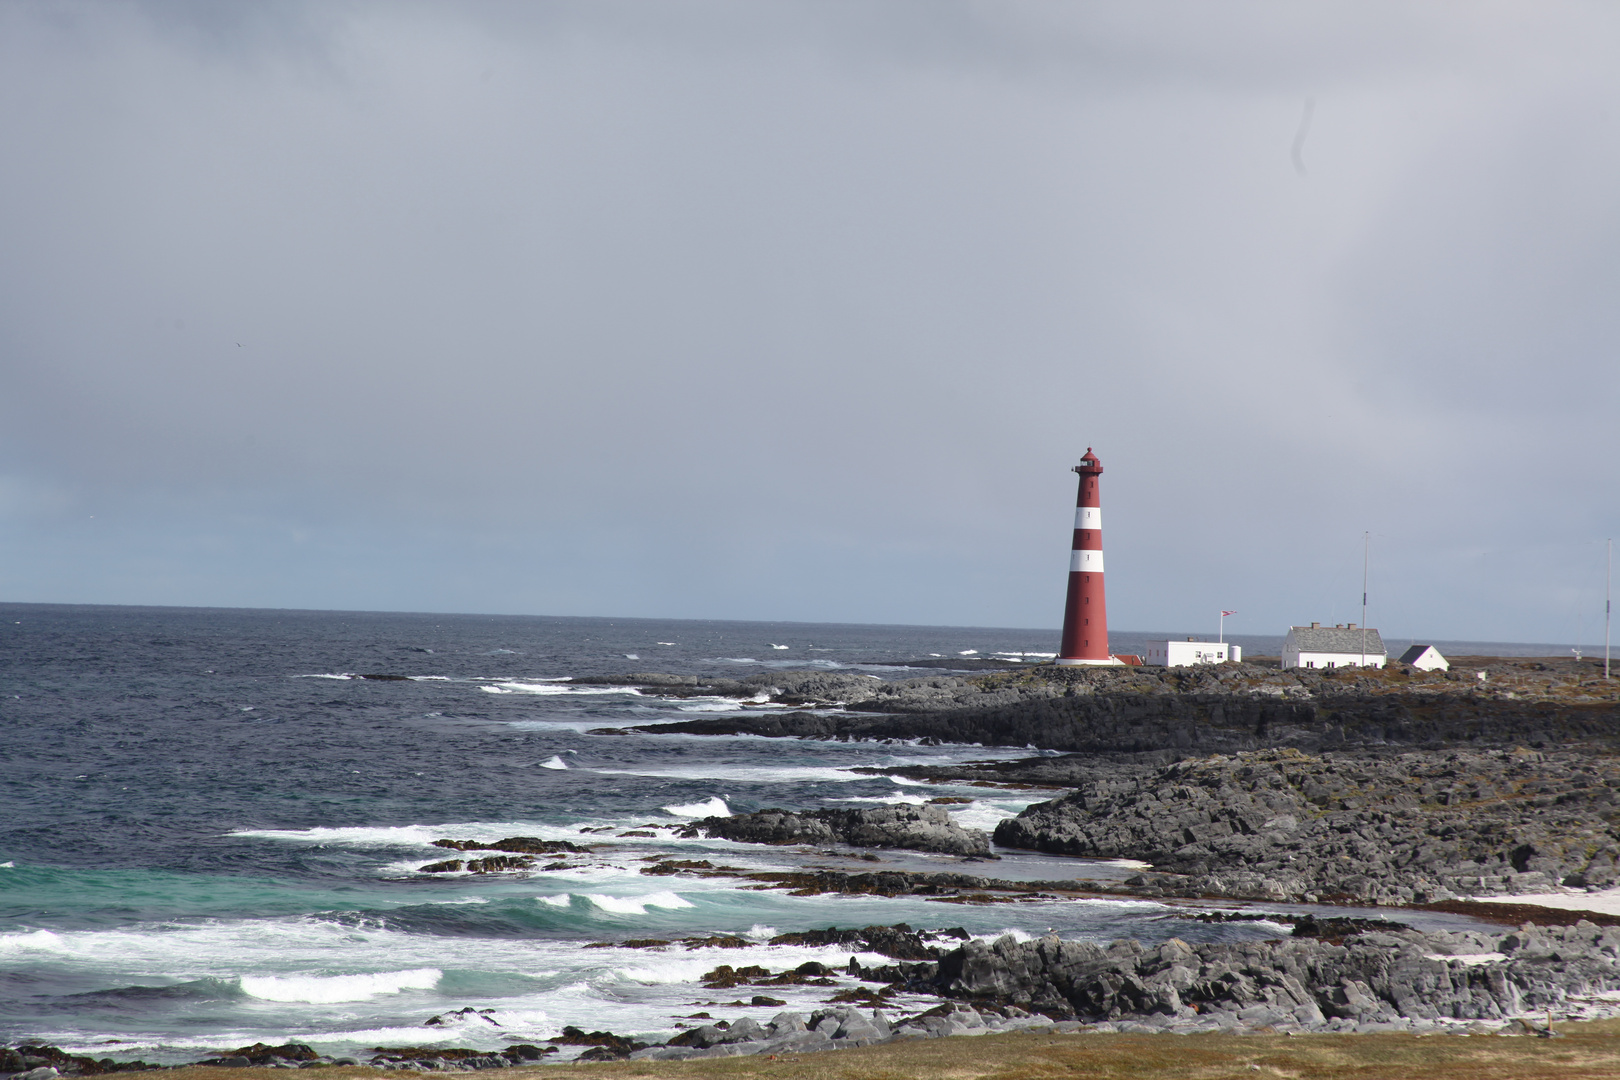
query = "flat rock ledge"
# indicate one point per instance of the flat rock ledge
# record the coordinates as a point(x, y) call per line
point(915, 828)
point(1391, 828)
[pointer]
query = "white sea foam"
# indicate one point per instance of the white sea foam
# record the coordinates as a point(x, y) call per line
point(344, 677)
point(906, 781)
point(890, 800)
point(398, 836)
point(982, 815)
point(745, 774)
point(563, 900)
point(532, 1024)
point(555, 688)
point(327, 989)
point(31, 941)
point(760, 932)
point(713, 806)
point(554, 762)
point(8, 865)
point(968, 652)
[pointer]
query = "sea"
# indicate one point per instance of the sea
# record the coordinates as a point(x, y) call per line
point(212, 829)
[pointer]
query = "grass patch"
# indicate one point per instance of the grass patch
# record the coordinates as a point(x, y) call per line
point(1589, 1049)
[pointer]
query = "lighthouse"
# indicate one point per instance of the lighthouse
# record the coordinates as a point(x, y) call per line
point(1085, 615)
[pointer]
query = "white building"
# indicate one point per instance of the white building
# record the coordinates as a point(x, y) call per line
point(1189, 652)
point(1425, 658)
point(1318, 646)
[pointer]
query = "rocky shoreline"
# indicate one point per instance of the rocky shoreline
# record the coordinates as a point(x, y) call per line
point(1394, 788)
point(1328, 975)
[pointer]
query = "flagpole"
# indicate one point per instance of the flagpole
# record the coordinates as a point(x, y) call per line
point(1608, 579)
point(1220, 638)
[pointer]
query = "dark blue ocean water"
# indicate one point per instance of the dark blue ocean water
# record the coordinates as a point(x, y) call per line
point(210, 835)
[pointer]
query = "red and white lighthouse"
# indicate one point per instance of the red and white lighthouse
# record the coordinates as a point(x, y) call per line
point(1085, 616)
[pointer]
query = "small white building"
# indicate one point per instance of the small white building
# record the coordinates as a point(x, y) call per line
point(1190, 652)
point(1425, 658)
point(1318, 646)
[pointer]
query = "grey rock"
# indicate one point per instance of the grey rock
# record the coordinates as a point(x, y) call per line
point(1368, 978)
point(918, 828)
point(745, 1030)
point(784, 1022)
point(44, 1072)
point(1214, 826)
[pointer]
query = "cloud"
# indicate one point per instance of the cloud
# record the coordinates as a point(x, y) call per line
point(803, 310)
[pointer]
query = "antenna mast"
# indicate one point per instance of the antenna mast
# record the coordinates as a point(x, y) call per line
point(1366, 549)
point(1608, 578)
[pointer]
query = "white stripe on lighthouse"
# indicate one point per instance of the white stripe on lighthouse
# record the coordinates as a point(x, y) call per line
point(1089, 562)
point(1088, 517)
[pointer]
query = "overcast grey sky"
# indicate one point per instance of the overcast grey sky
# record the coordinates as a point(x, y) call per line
point(804, 310)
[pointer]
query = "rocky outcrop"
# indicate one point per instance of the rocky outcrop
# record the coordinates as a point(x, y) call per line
point(917, 828)
point(1395, 828)
point(1364, 980)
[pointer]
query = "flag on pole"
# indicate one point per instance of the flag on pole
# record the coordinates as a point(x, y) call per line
point(1226, 613)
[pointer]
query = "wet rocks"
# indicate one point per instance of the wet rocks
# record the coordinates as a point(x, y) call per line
point(1419, 826)
point(917, 828)
point(522, 848)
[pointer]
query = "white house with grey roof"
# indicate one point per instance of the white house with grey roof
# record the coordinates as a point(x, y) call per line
point(1425, 658)
point(1318, 646)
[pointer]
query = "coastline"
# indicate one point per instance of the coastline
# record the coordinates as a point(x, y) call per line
point(1219, 733)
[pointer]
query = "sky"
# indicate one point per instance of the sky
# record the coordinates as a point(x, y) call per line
point(804, 311)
